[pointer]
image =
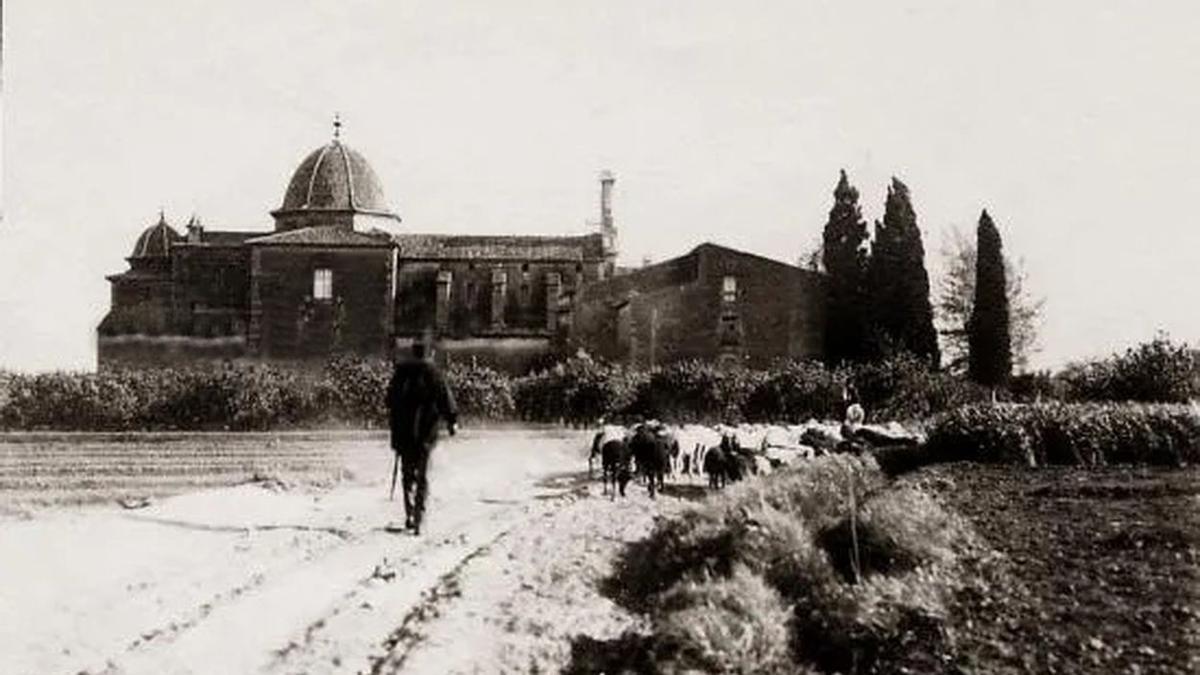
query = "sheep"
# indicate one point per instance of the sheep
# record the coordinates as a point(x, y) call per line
point(694, 440)
point(781, 445)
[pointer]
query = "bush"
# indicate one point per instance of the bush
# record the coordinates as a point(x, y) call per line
point(359, 387)
point(903, 387)
point(696, 391)
point(578, 391)
point(481, 392)
point(1058, 433)
point(796, 391)
point(1159, 371)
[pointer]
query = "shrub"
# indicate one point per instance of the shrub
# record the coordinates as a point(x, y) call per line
point(359, 387)
point(1159, 371)
point(696, 391)
point(579, 391)
point(1057, 433)
point(481, 392)
point(796, 391)
point(903, 387)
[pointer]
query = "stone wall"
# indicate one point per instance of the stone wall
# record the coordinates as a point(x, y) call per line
point(678, 310)
point(288, 323)
point(145, 351)
point(211, 290)
point(515, 355)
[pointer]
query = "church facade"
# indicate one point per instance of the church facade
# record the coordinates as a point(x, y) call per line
point(337, 275)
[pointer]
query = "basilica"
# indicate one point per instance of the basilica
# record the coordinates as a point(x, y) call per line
point(339, 274)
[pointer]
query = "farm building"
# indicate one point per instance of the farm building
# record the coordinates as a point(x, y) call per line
point(338, 274)
point(714, 304)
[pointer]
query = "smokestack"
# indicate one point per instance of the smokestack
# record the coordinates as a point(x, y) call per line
point(606, 186)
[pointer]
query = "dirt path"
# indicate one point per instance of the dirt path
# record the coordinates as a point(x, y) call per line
point(249, 579)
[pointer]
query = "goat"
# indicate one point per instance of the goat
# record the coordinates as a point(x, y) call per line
point(653, 455)
point(615, 459)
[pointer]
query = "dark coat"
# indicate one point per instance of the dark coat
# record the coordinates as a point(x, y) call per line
point(417, 399)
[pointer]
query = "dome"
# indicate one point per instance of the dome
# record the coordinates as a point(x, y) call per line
point(335, 178)
point(155, 241)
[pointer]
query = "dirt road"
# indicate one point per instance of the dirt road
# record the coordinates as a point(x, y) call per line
point(264, 578)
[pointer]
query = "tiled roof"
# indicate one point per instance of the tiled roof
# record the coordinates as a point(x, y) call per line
point(156, 240)
point(322, 236)
point(499, 247)
point(228, 238)
point(335, 177)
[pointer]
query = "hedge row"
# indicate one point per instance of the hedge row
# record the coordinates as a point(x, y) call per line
point(577, 391)
point(347, 392)
point(1073, 434)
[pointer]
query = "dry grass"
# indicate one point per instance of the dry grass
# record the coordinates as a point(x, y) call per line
point(737, 624)
point(790, 534)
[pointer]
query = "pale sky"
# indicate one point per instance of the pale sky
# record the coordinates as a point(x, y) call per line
point(1073, 123)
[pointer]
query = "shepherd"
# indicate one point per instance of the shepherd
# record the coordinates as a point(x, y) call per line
point(417, 400)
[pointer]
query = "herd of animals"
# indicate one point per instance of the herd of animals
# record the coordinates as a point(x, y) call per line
point(651, 451)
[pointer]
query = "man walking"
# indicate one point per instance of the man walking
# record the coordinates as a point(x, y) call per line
point(417, 399)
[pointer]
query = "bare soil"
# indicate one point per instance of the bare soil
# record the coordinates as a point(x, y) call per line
point(1099, 569)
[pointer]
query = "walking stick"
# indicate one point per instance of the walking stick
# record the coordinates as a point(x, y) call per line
point(395, 467)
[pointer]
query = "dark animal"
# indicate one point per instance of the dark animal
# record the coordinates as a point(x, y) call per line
point(714, 466)
point(653, 455)
point(615, 458)
point(729, 462)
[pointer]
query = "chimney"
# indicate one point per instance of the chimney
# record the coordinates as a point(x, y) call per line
point(606, 185)
point(608, 231)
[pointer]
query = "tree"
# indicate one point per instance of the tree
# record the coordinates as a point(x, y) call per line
point(956, 301)
point(898, 284)
point(989, 353)
point(844, 257)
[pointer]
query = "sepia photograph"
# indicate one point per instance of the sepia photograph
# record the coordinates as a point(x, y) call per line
point(531, 336)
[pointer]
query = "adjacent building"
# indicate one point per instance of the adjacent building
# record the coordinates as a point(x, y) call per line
point(337, 274)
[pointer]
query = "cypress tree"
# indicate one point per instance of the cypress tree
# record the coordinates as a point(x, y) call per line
point(845, 259)
point(898, 284)
point(989, 359)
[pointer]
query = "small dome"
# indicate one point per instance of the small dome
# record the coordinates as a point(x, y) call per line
point(335, 178)
point(155, 241)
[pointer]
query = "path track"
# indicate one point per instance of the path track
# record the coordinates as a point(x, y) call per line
point(245, 579)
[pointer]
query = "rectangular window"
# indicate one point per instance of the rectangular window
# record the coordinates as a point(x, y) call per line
point(322, 284)
point(729, 289)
